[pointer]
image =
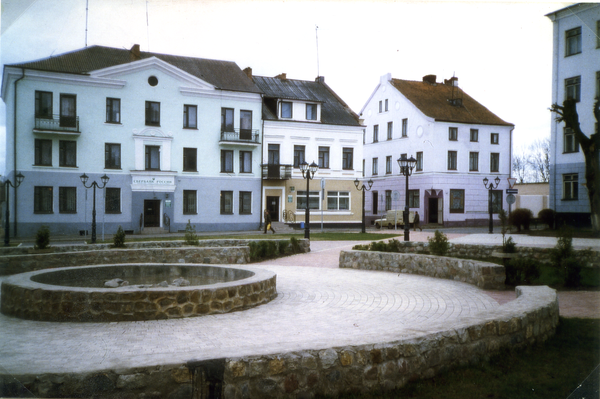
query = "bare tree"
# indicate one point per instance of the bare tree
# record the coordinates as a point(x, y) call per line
point(539, 160)
point(520, 167)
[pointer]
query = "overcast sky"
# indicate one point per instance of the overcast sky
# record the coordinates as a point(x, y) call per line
point(500, 51)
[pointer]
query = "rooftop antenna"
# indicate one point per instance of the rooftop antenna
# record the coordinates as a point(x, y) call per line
point(317, 38)
point(86, 21)
point(147, 26)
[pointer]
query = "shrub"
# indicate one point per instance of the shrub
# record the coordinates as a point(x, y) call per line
point(521, 271)
point(283, 246)
point(438, 244)
point(520, 217)
point(42, 238)
point(119, 238)
point(547, 216)
point(509, 246)
point(563, 258)
point(295, 245)
point(190, 234)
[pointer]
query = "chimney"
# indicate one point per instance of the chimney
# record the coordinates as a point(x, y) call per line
point(134, 53)
point(429, 79)
point(248, 72)
point(320, 79)
point(453, 81)
point(385, 78)
point(281, 76)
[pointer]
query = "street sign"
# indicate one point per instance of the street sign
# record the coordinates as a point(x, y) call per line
point(510, 199)
point(396, 195)
point(511, 181)
point(512, 191)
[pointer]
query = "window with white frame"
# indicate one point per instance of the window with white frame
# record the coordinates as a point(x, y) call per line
point(390, 130)
point(43, 104)
point(573, 41)
point(413, 199)
point(190, 116)
point(452, 160)
point(152, 113)
point(570, 141)
point(245, 161)
point(42, 199)
point(388, 165)
point(457, 201)
point(67, 154)
point(388, 200)
point(245, 202)
point(494, 162)
point(226, 202)
point(67, 199)
point(570, 186)
point(473, 161)
point(190, 158)
point(227, 120)
point(313, 200)
point(226, 161)
point(453, 133)
point(152, 157)
point(375, 133)
point(405, 127)
point(323, 157)
point(419, 161)
point(495, 138)
point(573, 88)
point(190, 198)
point(299, 155)
point(375, 169)
point(43, 152)
point(474, 136)
point(286, 110)
point(112, 200)
point(338, 200)
point(348, 159)
point(112, 156)
point(113, 110)
point(496, 201)
point(311, 112)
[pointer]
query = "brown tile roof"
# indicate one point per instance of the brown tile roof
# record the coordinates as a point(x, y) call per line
point(225, 75)
point(432, 100)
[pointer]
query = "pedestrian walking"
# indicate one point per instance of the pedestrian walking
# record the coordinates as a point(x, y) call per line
point(268, 225)
point(416, 222)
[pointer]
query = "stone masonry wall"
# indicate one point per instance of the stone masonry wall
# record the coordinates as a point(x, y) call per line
point(482, 274)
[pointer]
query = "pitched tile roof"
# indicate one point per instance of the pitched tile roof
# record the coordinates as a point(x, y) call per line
point(334, 111)
point(432, 100)
point(225, 75)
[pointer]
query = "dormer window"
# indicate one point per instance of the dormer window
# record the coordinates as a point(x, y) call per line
point(286, 109)
point(311, 112)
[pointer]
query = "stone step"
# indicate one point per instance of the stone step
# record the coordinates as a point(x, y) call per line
point(153, 230)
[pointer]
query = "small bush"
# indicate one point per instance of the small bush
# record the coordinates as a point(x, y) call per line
point(547, 216)
point(509, 246)
point(438, 244)
point(520, 218)
point(190, 234)
point(283, 246)
point(119, 238)
point(295, 245)
point(521, 271)
point(570, 269)
point(563, 258)
point(42, 238)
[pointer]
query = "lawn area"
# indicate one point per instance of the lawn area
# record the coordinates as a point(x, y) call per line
point(551, 370)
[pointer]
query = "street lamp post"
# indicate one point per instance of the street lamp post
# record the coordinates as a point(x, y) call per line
point(84, 178)
point(308, 173)
point(363, 188)
point(8, 184)
point(491, 187)
point(406, 168)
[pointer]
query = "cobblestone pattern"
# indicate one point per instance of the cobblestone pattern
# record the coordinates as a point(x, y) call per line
point(482, 274)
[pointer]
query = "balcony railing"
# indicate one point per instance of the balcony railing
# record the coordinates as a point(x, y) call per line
point(276, 171)
point(241, 136)
point(58, 123)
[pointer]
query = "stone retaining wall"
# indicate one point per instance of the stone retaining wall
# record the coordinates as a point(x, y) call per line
point(482, 274)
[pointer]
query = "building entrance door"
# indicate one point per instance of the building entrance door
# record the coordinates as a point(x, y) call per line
point(433, 211)
point(273, 208)
point(151, 213)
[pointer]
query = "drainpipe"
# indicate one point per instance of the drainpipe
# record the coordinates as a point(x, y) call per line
point(510, 163)
point(15, 202)
point(262, 158)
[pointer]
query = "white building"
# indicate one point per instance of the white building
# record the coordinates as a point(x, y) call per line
point(178, 137)
point(457, 143)
point(575, 73)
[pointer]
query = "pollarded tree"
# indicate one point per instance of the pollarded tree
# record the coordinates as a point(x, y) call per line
point(590, 146)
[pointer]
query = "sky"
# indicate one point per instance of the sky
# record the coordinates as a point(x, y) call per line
point(500, 51)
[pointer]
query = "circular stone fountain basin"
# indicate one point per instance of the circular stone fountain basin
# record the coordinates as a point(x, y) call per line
point(79, 293)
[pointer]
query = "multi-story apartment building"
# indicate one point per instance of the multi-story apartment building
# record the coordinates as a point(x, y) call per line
point(575, 74)
point(307, 121)
point(178, 137)
point(456, 141)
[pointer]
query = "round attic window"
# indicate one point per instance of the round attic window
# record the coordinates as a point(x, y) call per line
point(152, 81)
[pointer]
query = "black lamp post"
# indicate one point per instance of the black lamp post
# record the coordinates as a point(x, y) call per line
point(406, 168)
point(84, 178)
point(363, 188)
point(8, 184)
point(308, 173)
point(491, 187)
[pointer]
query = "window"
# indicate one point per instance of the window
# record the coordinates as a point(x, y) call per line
point(152, 157)
point(313, 200)
point(67, 154)
point(152, 113)
point(338, 200)
point(494, 162)
point(323, 157)
point(388, 165)
point(245, 202)
point(598, 34)
point(570, 141)
point(273, 154)
point(67, 199)
point(452, 155)
point(112, 156)
point(43, 104)
point(226, 161)
point(496, 201)
point(453, 133)
point(390, 130)
point(246, 125)
point(42, 199)
point(386, 105)
point(573, 41)
point(375, 203)
point(419, 161)
point(112, 202)
point(457, 201)
point(413, 199)
point(402, 156)
point(363, 168)
point(375, 169)
point(348, 158)
point(570, 189)
point(375, 133)
point(226, 120)
point(495, 138)
point(113, 110)
point(286, 109)
point(226, 202)
point(573, 88)
point(473, 161)
point(68, 110)
point(388, 200)
point(245, 161)
point(598, 83)
point(43, 152)
point(380, 106)
point(190, 116)
point(190, 158)
point(311, 112)
point(474, 135)
point(364, 135)
point(405, 127)
point(190, 198)
point(298, 155)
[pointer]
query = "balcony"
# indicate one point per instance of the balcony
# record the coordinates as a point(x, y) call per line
point(276, 172)
point(240, 136)
point(57, 124)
